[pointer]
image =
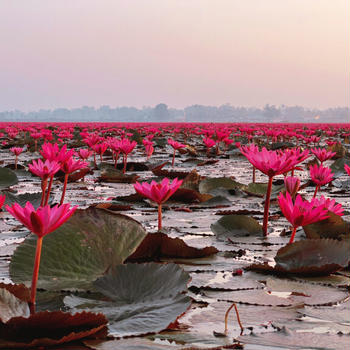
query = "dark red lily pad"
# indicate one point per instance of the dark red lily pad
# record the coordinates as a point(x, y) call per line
point(158, 245)
point(49, 328)
point(309, 257)
point(333, 227)
point(116, 176)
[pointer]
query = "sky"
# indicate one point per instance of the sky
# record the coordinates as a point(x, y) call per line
point(71, 53)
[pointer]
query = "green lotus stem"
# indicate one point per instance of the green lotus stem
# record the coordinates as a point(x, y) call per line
point(64, 188)
point(39, 244)
point(267, 206)
point(159, 217)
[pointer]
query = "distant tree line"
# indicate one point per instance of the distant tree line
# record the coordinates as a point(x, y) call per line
point(195, 113)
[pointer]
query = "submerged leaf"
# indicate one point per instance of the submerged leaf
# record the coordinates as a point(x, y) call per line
point(142, 298)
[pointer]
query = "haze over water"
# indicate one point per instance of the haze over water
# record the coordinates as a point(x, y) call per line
point(181, 52)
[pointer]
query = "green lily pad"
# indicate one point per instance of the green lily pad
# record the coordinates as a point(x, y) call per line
point(236, 226)
point(22, 199)
point(142, 298)
point(259, 189)
point(338, 166)
point(7, 178)
point(84, 248)
point(210, 184)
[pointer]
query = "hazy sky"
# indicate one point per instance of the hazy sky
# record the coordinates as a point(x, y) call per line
point(70, 53)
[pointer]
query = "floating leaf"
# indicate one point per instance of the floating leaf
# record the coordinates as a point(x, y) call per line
point(7, 178)
point(11, 306)
point(186, 195)
point(49, 328)
point(236, 226)
point(114, 175)
point(333, 227)
point(259, 189)
point(286, 339)
point(210, 184)
point(309, 257)
point(22, 199)
point(143, 298)
point(81, 250)
point(158, 245)
point(338, 167)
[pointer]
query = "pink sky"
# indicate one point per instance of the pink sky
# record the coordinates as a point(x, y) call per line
point(69, 53)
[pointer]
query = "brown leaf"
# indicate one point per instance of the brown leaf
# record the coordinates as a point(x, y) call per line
point(49, 328)
point(333, 227)
point(159, 245)
point(20, 291)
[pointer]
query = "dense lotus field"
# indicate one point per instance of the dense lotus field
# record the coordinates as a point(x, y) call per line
point(174, 236)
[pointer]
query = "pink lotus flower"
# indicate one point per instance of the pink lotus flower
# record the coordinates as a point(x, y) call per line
point(320, 175)
point(126, 146)
point(70, 166)
point(347, 168)
point(16, 151)
point(300, 213)
point(158, 192)
point(272, 163)
point(175, 145)
point(292, 184)
point(44, 170)
point(53, 152)
point(84, 153)
point(329, 204)
point(322, 154)
point(41, 222)
point(2, 200)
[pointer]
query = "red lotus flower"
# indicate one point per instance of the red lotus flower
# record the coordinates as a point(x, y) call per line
point(84, 153)
point(54, 152)
point(300, 213)
point(175, 145)
point(272, 163)
point(322, 154)
point(320, 175)
point(329, 204)
point(41, 222)
point(44, 170)
point(347, 168)
point(158, 192)
point(16, 150)
point(292, 184)
point(2, 200)
point(126, 146)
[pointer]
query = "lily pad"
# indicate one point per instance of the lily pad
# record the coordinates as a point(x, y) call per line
point(338, 166)
point(84, 248)
point(22, 199)
point(7, 178)
point(210, 184)
point(309, 257)
point(142, 298)
point(48, 329)
point(11, 306)
point(158, 245)
point(259, 189)
point(333, 227)
point(236, 226)
point(114, 175)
